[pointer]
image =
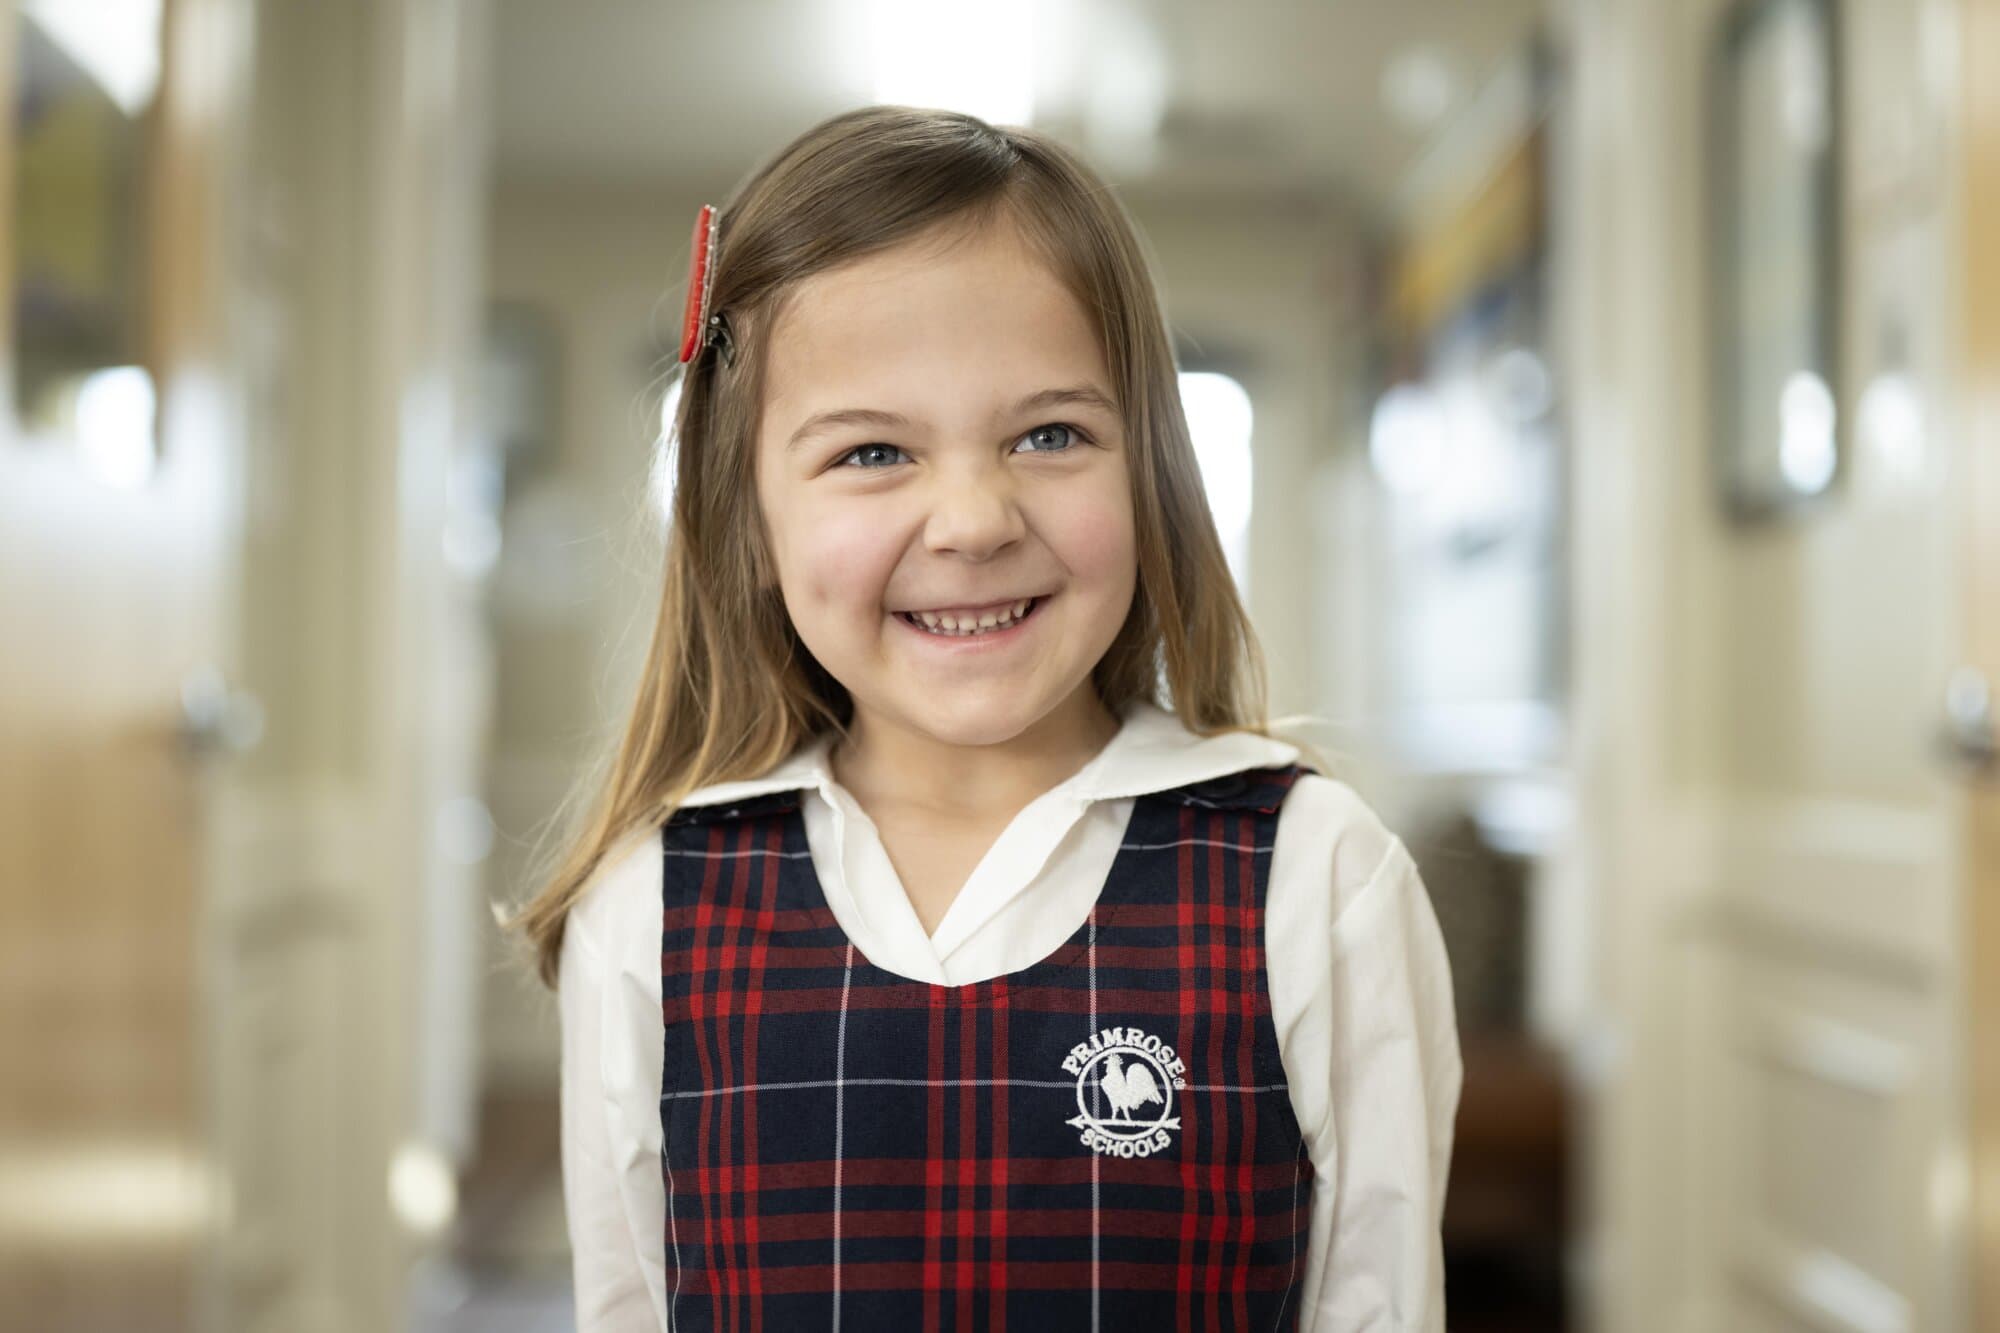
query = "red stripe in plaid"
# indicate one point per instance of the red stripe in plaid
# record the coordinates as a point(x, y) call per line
point(968, 1161)
point(1245, 897)
point(1186, 997)
point(894, 1171)
point(997, 1275)
point(733, 1000)
point(1071, 1276)
point(934, 1159)
point(901, 997)
point(879, 1222)
point(699, 1026)
point(754, 997)
point(1221, 1125)
point(952, 1163)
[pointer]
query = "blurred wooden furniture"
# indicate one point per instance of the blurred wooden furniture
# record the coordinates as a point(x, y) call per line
point(1506, 1219)
point(1506, 1215)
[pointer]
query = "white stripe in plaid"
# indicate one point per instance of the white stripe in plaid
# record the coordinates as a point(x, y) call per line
point(943, 1082)
point(840, 1124)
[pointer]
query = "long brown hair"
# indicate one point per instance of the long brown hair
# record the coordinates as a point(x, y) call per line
point(728, 690)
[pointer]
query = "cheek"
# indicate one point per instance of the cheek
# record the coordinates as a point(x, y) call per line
point(839, 557)
point(1092, 532)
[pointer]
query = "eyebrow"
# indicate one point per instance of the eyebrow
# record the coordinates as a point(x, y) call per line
point(1077, 395)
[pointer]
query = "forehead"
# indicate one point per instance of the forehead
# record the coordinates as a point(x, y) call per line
point(937, 317)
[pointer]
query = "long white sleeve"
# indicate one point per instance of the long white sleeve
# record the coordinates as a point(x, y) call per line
point(611, 1290)
point(1394, 1090)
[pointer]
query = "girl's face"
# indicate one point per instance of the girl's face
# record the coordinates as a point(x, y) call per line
point(939, 434)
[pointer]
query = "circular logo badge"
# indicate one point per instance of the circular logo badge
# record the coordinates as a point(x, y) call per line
point(1125, 1086)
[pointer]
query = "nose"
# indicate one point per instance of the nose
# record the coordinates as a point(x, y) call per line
point(973, 513)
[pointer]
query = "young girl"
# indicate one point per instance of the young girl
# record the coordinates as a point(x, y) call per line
point(921, 965)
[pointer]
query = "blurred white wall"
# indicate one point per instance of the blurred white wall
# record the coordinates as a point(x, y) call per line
point(574, 591)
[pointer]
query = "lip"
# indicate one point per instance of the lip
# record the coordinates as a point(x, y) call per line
point(990, 641)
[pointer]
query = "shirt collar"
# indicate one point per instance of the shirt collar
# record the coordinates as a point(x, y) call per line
point(1152, 751)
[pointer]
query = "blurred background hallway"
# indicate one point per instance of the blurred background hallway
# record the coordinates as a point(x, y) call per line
point(1599, 400)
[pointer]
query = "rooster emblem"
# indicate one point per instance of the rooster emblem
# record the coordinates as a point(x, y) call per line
point(1127, 1089)
point(1125, 1083)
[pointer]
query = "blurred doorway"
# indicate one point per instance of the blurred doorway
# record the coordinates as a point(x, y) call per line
point(118, 494)
point(1773, 819)
point(241, 689)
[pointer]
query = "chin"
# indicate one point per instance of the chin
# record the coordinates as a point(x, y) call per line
point(976, 720)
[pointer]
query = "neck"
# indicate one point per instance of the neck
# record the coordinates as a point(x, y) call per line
point(891, 762)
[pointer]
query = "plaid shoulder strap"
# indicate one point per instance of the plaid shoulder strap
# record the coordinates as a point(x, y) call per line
point(1102, 1140)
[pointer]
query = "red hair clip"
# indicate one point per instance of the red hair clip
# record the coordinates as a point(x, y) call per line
point(698, 326)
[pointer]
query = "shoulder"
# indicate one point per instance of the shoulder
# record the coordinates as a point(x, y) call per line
point(1330, 838)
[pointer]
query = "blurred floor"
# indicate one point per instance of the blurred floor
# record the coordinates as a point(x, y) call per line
point(508, 1266)
point(457, 1302)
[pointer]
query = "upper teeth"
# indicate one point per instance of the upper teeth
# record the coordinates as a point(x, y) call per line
point(965, 621)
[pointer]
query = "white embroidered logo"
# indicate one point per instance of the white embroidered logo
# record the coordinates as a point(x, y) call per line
point(1125, 1085)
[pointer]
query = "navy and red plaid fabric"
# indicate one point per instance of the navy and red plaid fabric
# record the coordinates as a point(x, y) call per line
point(1102, 1140)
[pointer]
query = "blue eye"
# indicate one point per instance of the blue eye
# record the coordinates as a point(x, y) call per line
point(862, 449)
point(1075, 434)
point(1055, 425)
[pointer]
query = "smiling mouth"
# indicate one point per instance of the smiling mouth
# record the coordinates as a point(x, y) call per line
point(952, 627)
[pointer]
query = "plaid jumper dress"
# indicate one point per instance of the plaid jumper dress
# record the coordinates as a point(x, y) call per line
point(1102, 1140)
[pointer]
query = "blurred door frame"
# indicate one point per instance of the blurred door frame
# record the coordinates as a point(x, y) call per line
point(345, 903)
point(1973, 729)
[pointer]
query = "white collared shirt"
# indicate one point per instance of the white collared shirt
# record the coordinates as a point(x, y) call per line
point(1360, 991)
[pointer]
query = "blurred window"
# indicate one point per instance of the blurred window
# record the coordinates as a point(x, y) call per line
point(1218, 417)
point(86, 74)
